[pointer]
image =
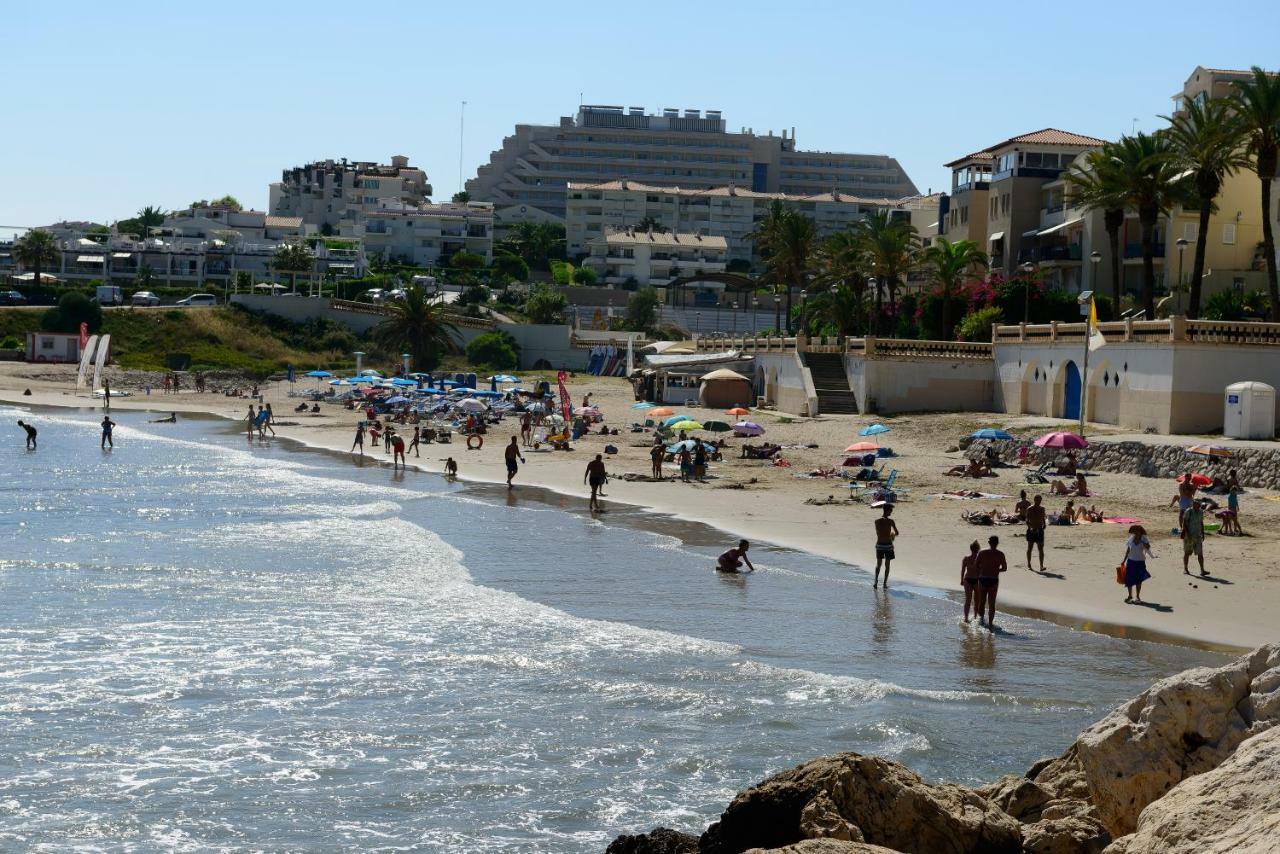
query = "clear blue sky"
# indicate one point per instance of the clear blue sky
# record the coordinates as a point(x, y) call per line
point(111, 106)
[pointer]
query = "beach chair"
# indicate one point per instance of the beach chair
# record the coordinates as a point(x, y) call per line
point(890, 483)
point(1039, 475)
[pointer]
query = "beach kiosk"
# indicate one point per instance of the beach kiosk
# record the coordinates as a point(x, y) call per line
point(1249, 411)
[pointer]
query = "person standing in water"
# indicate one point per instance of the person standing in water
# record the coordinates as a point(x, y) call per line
point(417, 437)
point(1035, 529)
point(886, 533)
point(107, 426)
point(597, 477)
point(990, 563)
point(359, 441)
point(31, 435)
point(253, 420)
point(271, 416)
point(397, 449)
point(969, 581)
point(732, 559)
point(512, 453)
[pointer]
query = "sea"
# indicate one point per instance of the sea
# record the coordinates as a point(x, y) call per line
point(211, 643)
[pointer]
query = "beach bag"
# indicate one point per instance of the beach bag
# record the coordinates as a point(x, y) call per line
point(1120, 574)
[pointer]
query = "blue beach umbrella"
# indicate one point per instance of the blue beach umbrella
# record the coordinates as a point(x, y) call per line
point(403, 382)
point(873, 430)
point(486, 394)
point(675, 419)
point(504, 378)
point(644, 404)
point(399, 398)
point(339, 382)
point(990, 433)
point(691, 444)
point(319, 374)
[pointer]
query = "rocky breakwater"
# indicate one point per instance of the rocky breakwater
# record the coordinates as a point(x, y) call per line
point(1190, 765)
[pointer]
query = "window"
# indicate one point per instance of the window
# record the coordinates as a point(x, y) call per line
point(964, 214)
point(1034, 158)
point(1229, 233)
point(1189, 232)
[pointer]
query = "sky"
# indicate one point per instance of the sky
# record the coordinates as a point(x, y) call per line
point(113, 106)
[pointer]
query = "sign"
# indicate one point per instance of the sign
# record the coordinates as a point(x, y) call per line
point(1233, 399)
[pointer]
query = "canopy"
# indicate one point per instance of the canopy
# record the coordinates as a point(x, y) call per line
point(691, 444)
point(401, 381)
point(687, 424)
point(1051, 229)
point(504, 378)
point(862, 447)
point(737, 410)
point(992, 238)
point(716, 426)
point(369, 372)
point(662, 411)
point(90, 259)
point(644, 404)
point(317, 374)
point(990, 433)
point(873, 430)
point(399, 398)
point(1197, 479)
point(724, 374)
point(1061, 440)
point(675, 418)
point(487, 393)
point(1211, 451)
point(340, 382)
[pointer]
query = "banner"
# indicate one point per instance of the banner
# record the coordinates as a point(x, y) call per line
point(86, 356)
point(100, 359)
point(84, 335)
point(566, 405)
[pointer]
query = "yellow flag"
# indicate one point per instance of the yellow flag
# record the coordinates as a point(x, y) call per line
point(1095, 337)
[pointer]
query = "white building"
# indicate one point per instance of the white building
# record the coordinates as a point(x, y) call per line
point(648, 258)
point(331, 195)
point(428, 234)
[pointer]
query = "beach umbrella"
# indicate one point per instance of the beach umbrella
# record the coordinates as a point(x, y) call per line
point(662, 412)
point(748, 428)
point(873, 430)
point(644, 404)
point(503, 378)
point(403, 383)
point(537, 407)
point(716, 426)
point(370, 372)
point(738, 411)
point(318, 374)
point(399, 398)
point(853, 462)
point(862, 447)
point(1061, 440)
point(687, 424)
point(340, 382)
point(990, 433)
point(472, 405)
point(675, 418)
point(586, 410)
point(1211, 451)
point(691, 444)
point(1197, 479)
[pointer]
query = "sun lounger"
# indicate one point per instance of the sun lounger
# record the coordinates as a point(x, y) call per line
point(1039, 475)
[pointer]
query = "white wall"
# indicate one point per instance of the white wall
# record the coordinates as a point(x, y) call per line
point(921, 385)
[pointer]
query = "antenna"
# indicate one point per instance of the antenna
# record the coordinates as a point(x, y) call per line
point(462, 123)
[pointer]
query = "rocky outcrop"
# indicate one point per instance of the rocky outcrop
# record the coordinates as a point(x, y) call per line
point(1190, 765)
point(660, 840)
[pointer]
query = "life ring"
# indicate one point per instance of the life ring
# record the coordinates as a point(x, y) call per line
point(479, 441)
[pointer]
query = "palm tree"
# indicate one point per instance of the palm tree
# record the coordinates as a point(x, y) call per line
point(892, 245)
point(1152, 185)
point(651, 223)
point(149, 217)
point(1256, 104)
point(293, 258)
point(952, 263)
point(1095, 186)
point(415, 326)
point(536, 242)
point(785, 239)
point(1205, 142)
point(842, 268)
point(35, 249)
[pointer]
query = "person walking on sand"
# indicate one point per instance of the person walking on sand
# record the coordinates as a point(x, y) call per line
point(106, 394)
point(31, 434)
point(512, 454)
point(1186, 495)
point(417, 437)
point(1035, 529)
point(1136, 551)
point(991, 562)
point(969, 581)
point(397, 451)
point(886, 533)
point(731, 560)
point(526, 429)
point(597, 477)
point(359, 441)
point(107, 426)
point(271, 417)
point(656, 453)
point(1192, 533)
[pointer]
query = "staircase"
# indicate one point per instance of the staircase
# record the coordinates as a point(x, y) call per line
point(832, 385)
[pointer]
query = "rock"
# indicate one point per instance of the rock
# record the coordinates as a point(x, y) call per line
point(887, 803)
point(1072, 834)
point(824, 846)
point(821, 819)
point(1233, 808)
point(1018, 796)
point(660, 840)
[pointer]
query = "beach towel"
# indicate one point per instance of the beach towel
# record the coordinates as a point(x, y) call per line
point(1121, 520)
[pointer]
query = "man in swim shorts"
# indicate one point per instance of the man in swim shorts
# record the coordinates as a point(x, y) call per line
point(1035, 529)
point(991, 563)
point(31, 435)
point(886, 532)
point(596, 476)
point(512, 454)
point(731, 560)
point(107, 426)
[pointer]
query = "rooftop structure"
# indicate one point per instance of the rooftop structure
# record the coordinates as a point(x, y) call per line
point(327, 194)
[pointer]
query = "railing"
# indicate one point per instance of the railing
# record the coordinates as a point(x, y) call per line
point(1173, 329)
point(357, 307)
point(891, 348)
point(870, 348)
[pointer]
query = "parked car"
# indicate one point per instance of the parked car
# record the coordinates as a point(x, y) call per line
point(109, 295)
point(144, 298)
point(398, 293)
point(12, 298)
point(373, 295)
point(198, 300)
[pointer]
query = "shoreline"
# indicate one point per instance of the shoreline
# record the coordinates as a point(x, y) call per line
point(551, 482)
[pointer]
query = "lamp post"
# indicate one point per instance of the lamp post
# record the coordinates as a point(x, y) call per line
point(1086, 308)
point(873, 288)
point(755, 315)
point(804, 318)
point(735, 317)
point(1027, 269)
point(1094, 257)
point(1181, 243)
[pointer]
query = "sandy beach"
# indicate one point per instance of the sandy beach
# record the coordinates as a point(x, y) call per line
point(764, 502)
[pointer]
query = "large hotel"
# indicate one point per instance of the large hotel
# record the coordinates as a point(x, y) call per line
point(527, 178)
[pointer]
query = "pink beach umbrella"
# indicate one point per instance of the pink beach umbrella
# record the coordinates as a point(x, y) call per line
point(1061, 440)
point(747, 428)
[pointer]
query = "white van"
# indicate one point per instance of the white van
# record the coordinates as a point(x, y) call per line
point(199, 300)
point(110, 295)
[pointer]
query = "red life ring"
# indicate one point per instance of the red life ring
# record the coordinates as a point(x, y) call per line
point(478, 439)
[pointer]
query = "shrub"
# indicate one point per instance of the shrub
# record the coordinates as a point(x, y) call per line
point(977, 325)
point(512, 266)
point(584, 276)
point(11, 342)
point(561, 272)
point(1232, 305)
point(642, 310)
point(545, 304)
point(496, 349)
point(474, 295)
point(466, 260)
point(73, 309)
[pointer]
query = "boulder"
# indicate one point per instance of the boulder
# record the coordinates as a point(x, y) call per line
point(887, 803)
point(1233, 808)
point(660, 840)
point(824, 846)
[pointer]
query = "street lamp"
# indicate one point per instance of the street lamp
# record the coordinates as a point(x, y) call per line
point(1027, 268)
point(734, 306)
point(1181, 243)
point(873, 285)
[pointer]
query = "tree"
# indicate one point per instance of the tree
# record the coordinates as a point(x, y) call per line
point(642, 310)
point(892, 245)
point(36, 249)
point(465, 260)
point(73, 309)
point(461, 197)
point(839, 309)
point(1094, 186)
point(293, 258)
point(952, 264)
point(1204, 140)
point(497, 350)
point(511, 265)
point(584, 276)
point(537, 243)
point(650, 223)
point(1256, 104)
point(545, 304)
point(785, 239)
point(842, 263)
point(227, 200)
point(244, 281)
point(415, 326)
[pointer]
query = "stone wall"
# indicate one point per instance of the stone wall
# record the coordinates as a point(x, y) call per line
point(1256, 467)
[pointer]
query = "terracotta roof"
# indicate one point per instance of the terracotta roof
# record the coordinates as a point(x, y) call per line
point(980, 156)
point(282, 222)
point(630, 237)
point(1050, 136)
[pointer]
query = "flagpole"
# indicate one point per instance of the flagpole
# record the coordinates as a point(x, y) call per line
point(1084, 376)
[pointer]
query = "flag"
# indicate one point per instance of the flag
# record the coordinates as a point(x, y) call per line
point(84, 335)
point(1095, 337)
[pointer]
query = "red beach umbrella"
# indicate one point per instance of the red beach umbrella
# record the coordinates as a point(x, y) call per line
point(1061, 440)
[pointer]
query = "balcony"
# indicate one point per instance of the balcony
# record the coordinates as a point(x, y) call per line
point(1134, 250)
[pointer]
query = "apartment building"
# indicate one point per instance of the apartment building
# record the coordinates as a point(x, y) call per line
point(966, 215)
point(426, 235)
point(642, 258)
point(731, 212)
point(692, 150)
point(329, 194)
